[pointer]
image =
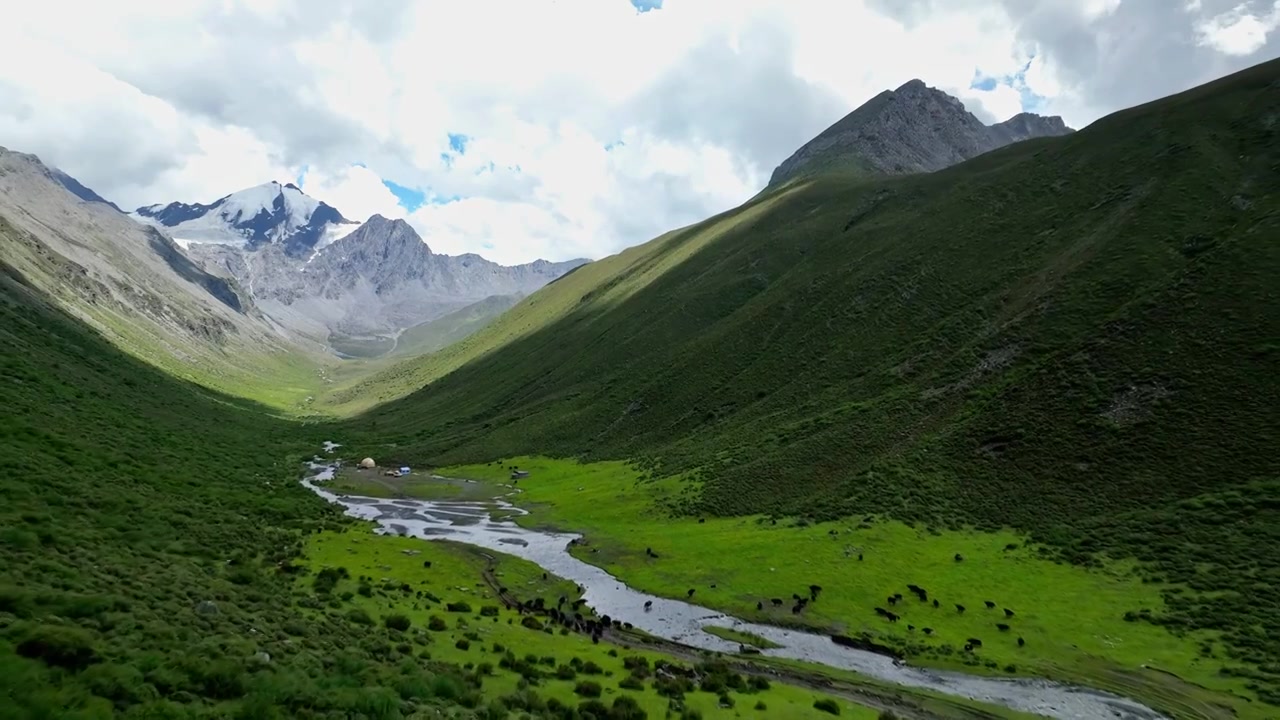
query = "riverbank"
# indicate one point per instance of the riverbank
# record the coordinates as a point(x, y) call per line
point(480, 630)
point(1071, 620)
point(685, 623)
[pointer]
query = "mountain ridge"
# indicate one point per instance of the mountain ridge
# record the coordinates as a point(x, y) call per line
point(915, 128)
point(133, 284)
point(377, 280)
point(251, 218)
point(328, 278)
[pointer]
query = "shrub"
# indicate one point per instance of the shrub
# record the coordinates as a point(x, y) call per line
point(827, 705)
point(590, 668)
point(463, 644)
point(64, 647)
point(489, 611)
point(636, 662)
point(631, 682)
point(564, 672)
point(531, 622)
point(625, 707)
point(437, 624)
point(397, 622)
point(593, 710)
point(327, 579)
point(588, 689)
point(458, 607)
point(359, 616)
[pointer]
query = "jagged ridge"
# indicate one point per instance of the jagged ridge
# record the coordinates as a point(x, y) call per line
point(913, 129)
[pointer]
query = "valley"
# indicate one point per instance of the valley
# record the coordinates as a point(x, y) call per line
point(994, 405)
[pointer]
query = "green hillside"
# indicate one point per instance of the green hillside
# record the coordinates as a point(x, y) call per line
point(434, 335)
point(1074, 338)
point(160, 560)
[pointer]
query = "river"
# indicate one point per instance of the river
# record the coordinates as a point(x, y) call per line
point(682, 622)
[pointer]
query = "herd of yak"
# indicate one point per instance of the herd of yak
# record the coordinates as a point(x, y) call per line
point(574, 620)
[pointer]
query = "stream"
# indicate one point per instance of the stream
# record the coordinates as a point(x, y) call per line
point(682, 622)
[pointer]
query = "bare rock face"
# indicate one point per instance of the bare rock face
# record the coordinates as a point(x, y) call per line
point(320, 275)
point(121, 277)
point(375, 281)
point(913, 129)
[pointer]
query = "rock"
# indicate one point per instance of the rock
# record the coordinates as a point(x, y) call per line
point(262, 657)
point(913, 129)
point(206, 607)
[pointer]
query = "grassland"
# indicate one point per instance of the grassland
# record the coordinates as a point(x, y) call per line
point(550, 664)
point(1072, 619)
point(1066, 342)
point(161, 561)
point(149, 535)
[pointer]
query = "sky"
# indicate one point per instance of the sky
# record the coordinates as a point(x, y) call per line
point(523, 129)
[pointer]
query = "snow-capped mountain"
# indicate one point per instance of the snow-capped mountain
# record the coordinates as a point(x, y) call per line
point(327, 278)
point(268, 214)
point(374, 282)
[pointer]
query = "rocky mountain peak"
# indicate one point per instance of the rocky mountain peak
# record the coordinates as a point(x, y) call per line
point(915, 128)
point(262, 215)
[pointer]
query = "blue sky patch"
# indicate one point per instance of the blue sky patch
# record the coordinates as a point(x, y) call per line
point(409, 198)
point(458, 143)
point(610, 146)
point(1018, 80)
point(646, 5)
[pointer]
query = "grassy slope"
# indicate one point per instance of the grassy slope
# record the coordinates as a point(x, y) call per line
point(128, 499)
point(434, 335)
point(154, 562)
point(453, 578)
point(1069, 337)
point(278, 376)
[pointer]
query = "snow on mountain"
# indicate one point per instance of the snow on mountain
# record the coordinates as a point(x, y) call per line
point(267, 214)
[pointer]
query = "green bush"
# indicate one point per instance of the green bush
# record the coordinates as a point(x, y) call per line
point(58, 646)
point(359, 616)
point(588, 688)
point(827, 705)
point(397, 622)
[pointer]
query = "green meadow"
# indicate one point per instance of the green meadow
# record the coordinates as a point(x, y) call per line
point(1072, 620)
point(542, 665)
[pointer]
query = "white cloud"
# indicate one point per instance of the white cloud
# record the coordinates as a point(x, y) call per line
point(149, 101)
point(1238, 31)
point(1094, 9)
point(356, 191)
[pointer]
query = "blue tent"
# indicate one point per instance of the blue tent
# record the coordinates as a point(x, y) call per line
point(404, 470)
